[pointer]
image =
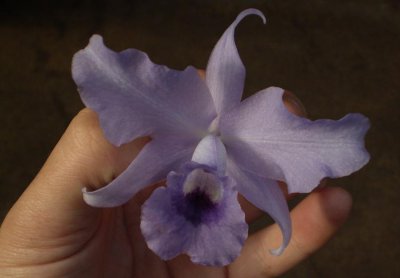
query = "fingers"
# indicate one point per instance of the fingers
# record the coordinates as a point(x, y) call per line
point(84, 152)
point(314, 220)
point(82, 157)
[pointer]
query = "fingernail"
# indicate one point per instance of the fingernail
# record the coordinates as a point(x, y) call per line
point(337, 204)
point(294, 104)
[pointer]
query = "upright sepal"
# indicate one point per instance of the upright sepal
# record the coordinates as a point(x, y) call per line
point(225, 72)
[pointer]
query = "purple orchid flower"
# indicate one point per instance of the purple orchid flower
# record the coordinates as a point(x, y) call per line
point(216, 144)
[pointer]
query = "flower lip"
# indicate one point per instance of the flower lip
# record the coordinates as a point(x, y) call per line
point(176, 223)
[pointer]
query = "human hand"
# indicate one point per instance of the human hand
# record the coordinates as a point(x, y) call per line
point(51, 232)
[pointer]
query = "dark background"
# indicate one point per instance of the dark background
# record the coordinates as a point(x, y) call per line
point(337, 56)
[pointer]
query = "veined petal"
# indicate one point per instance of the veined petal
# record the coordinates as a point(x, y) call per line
point(268, 140)
point(169, 228)
point(153, 163)
point(135, 97)
point(220, 244)
point(225, 71)
point(267, 196)
point(165, 232)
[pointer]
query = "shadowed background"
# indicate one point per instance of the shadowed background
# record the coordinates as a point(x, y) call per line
point(336, 56)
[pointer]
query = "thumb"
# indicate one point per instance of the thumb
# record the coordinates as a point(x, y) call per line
point(52, 206)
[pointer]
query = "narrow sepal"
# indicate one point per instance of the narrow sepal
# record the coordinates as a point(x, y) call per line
point(152, 164)
point(267, 196)
point(225, 72)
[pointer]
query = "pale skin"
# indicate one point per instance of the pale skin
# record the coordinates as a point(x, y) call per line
point(51, 232)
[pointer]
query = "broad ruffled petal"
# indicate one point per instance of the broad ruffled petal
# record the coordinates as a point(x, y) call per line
point(153, 163)
point(220, 244)
point(134, 97)
point(225, 71)
point(168, 233)
point(268, 140)
point(267, 196)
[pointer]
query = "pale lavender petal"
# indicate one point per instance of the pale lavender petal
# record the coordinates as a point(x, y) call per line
point(170, 226)
point(268, 140)
point(211, 151)
point(135, 97)
point(225, 71)
point(267, 196)
point(153, 163)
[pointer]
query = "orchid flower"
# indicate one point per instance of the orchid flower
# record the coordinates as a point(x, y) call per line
point(212, 144)
point(198, 212)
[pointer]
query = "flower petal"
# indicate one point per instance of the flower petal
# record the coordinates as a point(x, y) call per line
point(268, 140)
point(220, 244)
point(267, 196)
point(165, 232)
point(225, 71)
point(134, 97)
point(168, 233)
point(153, 163)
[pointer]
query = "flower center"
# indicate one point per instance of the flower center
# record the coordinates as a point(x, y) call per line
point(199, 208)
point(203, 192)
point(205, 182)
point(213, 128)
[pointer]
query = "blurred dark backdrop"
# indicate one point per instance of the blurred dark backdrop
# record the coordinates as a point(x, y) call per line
point(337, 56)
